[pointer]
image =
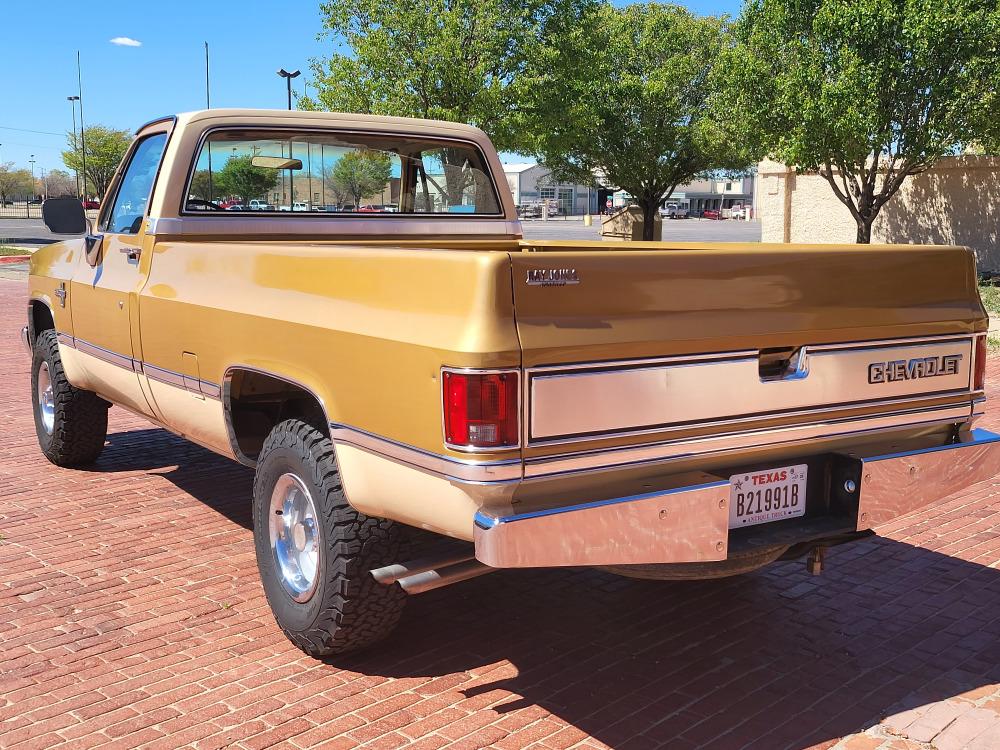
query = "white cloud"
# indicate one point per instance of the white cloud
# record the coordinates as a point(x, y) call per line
point(124, 41)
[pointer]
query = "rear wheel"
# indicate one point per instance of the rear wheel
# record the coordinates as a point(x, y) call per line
point(315, 552)
point(71, 424)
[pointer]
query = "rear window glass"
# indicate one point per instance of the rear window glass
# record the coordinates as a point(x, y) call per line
point(272, 172)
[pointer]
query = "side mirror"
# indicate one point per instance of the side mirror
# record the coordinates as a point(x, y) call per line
point(64, 216)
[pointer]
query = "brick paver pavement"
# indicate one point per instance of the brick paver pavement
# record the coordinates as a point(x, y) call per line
point(131, 616)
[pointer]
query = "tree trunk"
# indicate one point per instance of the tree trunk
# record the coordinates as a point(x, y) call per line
point(865, 231)
point(648, 220)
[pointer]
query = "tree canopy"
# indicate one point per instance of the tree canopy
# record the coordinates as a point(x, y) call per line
point(865, 92)
point(58, 182)
point(625, 93)
point(105, 149)
point(441, 59)
point(361, 174)
point(241, 178)
point(13, 181)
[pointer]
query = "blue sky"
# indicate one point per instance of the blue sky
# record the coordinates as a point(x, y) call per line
point(124, 86)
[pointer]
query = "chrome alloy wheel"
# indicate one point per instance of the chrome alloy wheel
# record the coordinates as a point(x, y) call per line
point(46, 403)
point(295, 537)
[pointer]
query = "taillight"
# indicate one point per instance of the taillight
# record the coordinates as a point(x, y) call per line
point(979, 380)
point(480, 409)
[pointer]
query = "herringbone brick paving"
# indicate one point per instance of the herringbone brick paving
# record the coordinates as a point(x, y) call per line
point(131, 616)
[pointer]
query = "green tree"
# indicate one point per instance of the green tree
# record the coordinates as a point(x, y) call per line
point(624, 93)
point(58, 183)
point(241, 178)
point(864, 92)
point(105, 149)
point(440, 59)
point(13, 182)
point(201, 185)
point(361, 174)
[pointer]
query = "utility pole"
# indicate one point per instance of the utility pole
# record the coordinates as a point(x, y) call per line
point(208, 96)
point(83, 140)
point(31, 197)
point(76, 144)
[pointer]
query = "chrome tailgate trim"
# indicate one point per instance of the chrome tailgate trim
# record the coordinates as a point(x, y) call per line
point(641, 397)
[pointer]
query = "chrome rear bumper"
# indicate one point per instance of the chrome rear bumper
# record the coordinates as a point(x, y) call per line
point(690, 523)
point(25, 340)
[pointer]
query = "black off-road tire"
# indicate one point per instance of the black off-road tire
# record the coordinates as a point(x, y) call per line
point(80, 418)
point(348, 610)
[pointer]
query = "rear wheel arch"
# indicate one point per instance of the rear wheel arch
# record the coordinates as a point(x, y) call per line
point(256, 400)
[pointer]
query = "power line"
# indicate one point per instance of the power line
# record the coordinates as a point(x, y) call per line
point(26, 130)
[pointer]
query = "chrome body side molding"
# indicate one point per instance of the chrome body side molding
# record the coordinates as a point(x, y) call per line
point(460, 470)
point(159, 374)
point(26, 340)
point(690, 523)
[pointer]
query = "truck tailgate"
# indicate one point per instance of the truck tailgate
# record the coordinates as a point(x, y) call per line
point(621, 342)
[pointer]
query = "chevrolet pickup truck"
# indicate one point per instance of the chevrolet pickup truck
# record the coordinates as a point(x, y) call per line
point(657, 410)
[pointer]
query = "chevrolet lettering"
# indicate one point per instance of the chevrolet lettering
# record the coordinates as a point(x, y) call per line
point(426, 397)
point(911, 369)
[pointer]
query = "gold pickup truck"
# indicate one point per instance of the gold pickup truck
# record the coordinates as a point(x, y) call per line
point(346, 304)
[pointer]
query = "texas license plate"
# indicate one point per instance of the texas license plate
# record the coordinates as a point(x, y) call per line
point(768, 495)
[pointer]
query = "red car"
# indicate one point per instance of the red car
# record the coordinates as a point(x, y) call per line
point(711, 213)
point(371, 209)
point(88, 204)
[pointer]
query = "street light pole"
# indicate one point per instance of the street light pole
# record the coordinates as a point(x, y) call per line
point(288, 79)
point(83, 141)
point(31, 161)
point(76, 144)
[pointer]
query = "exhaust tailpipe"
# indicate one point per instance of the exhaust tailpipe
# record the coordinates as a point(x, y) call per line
point(389, 574)
point(429, 580)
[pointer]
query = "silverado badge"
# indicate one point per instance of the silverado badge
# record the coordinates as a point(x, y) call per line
point(552, 276)
point(911, 369)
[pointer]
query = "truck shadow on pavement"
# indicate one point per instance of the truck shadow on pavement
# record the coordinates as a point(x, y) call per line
point(774, 659)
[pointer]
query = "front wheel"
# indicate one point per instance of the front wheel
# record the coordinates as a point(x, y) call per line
point(71, 423)
point(315, 552)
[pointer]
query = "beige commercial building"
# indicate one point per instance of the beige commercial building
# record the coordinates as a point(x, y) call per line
point(957, 202)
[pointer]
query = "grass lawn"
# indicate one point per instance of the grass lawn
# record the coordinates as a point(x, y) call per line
point(8, 250)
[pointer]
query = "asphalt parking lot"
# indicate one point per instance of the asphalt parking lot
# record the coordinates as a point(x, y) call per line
point(131, 617)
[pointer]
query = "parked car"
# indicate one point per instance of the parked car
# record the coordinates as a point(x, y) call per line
point(658, 414)
point(91, 205)
point(235, 207)
point(674, 211)
point(711, 213)
point(372, 208)
point(296, 206)
point(259, 205)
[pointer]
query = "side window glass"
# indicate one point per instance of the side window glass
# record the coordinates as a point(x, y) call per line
point(137, 183)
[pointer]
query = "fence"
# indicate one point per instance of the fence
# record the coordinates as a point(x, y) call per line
point(20, 210)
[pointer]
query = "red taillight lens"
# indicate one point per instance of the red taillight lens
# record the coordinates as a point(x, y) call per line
point(480, 409)
point(979, 381)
